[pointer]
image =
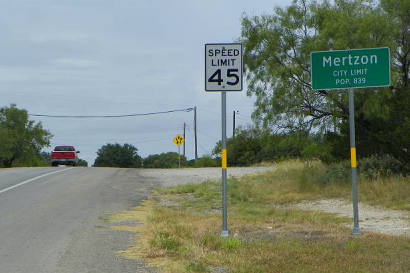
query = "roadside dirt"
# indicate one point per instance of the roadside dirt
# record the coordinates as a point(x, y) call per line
point(373, 219)
point(174, 177)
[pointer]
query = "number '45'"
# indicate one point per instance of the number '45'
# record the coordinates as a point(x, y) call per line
point(230, 74)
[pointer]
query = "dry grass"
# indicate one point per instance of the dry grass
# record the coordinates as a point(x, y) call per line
point(185, 236)
point(390, 192)
point(315, 182)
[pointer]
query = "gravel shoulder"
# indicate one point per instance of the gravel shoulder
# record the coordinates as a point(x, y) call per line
point(174, 177)
point(372, 219)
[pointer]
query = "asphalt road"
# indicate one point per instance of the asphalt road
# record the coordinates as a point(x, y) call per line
point(54, 222)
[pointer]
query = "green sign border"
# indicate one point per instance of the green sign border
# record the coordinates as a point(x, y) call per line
point(348, 50)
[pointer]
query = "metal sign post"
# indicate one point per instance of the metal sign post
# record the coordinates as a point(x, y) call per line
point(179, 156)
point(223, 72)
point(224, 160)
point(179, 140)
point(353, 68)
point(353, 164)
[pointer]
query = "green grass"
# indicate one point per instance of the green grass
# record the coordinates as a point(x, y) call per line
point(265, 234)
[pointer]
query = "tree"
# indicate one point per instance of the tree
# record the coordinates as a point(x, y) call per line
point(398, 12)
point(277, 64)
point(242, 150)
point(20, 138)
point(398, 126)
point(116, 155)
point(277, 59)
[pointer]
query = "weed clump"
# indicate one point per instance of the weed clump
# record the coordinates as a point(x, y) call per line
point(164, 240)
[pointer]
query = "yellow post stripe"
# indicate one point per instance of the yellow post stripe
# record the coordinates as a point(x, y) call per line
point(224, 159)
point(353, 157)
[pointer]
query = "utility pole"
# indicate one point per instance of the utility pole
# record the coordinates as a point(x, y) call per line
point(196, 139)
point(233, 130)
point(184, 141)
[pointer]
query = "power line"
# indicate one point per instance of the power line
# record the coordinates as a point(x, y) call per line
point(114, 116)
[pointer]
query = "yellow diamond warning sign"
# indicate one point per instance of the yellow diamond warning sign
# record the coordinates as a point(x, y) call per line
point(178, 140)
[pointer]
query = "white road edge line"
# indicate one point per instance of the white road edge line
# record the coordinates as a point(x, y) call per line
point(31, 180)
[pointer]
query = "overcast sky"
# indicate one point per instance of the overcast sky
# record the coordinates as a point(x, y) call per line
point(100, 57)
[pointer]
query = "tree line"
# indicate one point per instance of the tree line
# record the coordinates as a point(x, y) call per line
point(126, 156)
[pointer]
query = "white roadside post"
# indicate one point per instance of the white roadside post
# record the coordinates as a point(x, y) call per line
point(223, 72)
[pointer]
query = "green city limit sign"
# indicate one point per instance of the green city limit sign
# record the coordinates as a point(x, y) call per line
point(356, 68)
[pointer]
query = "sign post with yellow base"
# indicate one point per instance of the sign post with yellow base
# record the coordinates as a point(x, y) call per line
point(353, 161)
point(223, 72)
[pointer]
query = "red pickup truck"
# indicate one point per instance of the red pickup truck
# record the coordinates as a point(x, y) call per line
point(64, 155)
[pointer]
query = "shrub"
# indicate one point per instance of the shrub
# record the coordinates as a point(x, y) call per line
point(164, 160)
point(372, 167)
point(206, 161)
point(379, 166)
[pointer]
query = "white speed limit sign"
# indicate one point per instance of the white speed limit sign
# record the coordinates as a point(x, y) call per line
point(223, 67)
